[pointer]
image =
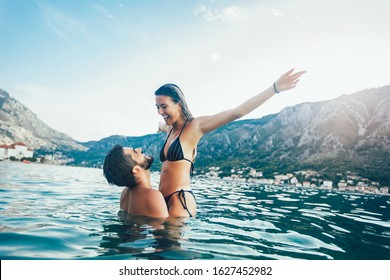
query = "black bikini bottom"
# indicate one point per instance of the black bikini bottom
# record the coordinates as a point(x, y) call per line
point(182, 199)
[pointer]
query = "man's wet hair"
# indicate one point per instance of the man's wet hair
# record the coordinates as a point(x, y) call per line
point(118, 168)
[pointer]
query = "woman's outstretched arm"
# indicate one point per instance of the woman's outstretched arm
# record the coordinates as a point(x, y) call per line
point(287, 81)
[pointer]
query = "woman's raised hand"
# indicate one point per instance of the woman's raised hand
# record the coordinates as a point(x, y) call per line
point(288, 81)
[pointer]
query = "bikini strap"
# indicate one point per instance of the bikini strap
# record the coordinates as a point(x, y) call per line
point(163, 147)
point(184, 204)
point(169, 134)
point(182, 199)
point(168, 198)
point(192, 162)
point(166, 139)
point(183, 128)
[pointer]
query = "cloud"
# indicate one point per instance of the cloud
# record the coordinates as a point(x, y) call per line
point(276, 13)
point(279, 14)
point(226, 14)
point(215, 57)
point(101, 9)
point(122, 25)
point(63, 25)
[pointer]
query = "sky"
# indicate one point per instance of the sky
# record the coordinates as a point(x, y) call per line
point(90, 68)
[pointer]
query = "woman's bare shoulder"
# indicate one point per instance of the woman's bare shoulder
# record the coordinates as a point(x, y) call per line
point(193, 129)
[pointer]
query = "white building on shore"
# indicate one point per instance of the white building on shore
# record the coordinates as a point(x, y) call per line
point(18, 150)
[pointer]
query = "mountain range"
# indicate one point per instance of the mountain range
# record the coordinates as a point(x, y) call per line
point(349, 133)
point(19, 124)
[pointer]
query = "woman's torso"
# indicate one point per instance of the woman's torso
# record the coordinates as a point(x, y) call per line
point(176, 169)
point(174, 176)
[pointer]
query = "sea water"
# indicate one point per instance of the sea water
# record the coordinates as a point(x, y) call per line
point(61, 212)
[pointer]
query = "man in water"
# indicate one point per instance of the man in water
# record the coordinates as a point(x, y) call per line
point(130, 168)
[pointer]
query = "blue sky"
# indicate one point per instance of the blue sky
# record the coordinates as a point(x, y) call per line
point(90, 68)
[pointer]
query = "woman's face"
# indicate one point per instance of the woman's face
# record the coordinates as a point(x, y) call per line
point(169, 110)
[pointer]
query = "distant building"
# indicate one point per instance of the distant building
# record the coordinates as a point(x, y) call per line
point(212, 174)
point(328, 183)
point(342, 184)
point(3, 151)
point(281, 177)
point(342, 187)
point(214, 168)
point(360, 188)
point(384, 190)
point(255, 174)
point(361, 184)
point(293, 181)
point(18, 150)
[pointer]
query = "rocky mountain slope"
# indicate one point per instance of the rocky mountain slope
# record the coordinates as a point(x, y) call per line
point(20, 124)
point(349, 133)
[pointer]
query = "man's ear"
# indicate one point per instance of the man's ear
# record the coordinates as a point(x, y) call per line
point(136, 169)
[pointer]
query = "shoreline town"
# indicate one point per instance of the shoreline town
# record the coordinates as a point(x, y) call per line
point(348, 182)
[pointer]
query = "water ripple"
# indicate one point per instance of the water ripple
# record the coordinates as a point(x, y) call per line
point(55, 212)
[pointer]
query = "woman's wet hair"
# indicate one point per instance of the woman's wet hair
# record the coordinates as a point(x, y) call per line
point(118, 168)
point(174, 92)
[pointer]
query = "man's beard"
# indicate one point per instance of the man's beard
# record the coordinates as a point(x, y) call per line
point(147, 162)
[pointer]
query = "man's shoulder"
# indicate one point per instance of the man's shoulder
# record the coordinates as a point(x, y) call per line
point(155, 203)
point(154, 198)
point(154, 193)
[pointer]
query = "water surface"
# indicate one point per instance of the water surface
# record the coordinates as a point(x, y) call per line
point(59, 212)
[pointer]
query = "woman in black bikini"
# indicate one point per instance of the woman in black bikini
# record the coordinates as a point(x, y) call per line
point(179, 150)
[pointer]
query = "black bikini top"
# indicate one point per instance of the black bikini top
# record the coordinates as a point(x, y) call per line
point(175, 151)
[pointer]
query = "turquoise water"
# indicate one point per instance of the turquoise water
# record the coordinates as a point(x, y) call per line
point(58, 212)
